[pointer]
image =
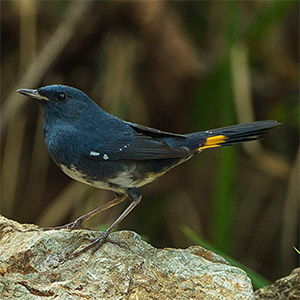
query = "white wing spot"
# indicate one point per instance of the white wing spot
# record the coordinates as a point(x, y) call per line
point(105, 156)
point(121, 149)
point(94, 153)
point(125, 146)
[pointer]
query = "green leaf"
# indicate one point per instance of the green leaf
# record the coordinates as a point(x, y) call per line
point(296, 250)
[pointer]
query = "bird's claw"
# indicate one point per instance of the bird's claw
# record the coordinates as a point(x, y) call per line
point(95, 243)
point(77, 224)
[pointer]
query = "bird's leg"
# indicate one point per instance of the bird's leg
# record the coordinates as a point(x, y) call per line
point(98, 242)
point(78, 222)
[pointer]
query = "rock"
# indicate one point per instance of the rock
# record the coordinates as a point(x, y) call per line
point(283, 288)
point(34, 265)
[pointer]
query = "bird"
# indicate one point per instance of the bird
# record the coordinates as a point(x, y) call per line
point(101, 150)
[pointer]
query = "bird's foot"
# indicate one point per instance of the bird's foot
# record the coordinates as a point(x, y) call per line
point(95, 243)
point(77, 224)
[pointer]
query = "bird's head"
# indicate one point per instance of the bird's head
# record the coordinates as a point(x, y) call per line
point(60, 101)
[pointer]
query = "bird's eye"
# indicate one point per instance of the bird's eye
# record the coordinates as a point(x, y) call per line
point(61, 97)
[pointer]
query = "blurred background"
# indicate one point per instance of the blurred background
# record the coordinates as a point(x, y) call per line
point(176, 66)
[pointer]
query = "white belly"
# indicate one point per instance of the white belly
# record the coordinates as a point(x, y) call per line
point(123, 181)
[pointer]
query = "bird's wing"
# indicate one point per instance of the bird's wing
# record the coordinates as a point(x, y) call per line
point(141, 143)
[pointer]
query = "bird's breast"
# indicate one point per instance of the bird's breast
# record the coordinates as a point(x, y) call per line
point(63, 145)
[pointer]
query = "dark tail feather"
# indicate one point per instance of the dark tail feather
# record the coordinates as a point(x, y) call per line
point(230, 135)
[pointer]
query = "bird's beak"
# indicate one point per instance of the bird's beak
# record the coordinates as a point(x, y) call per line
point(33, 94)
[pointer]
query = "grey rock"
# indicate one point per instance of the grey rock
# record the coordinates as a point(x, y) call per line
point(34, 264)
point(286, 288)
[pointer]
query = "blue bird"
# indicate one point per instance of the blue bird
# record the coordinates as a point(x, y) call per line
point(101, 150)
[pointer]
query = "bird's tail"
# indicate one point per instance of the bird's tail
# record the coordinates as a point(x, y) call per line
point(231, 135)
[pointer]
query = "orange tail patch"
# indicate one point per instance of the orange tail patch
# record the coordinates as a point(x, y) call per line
point(213, 142)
